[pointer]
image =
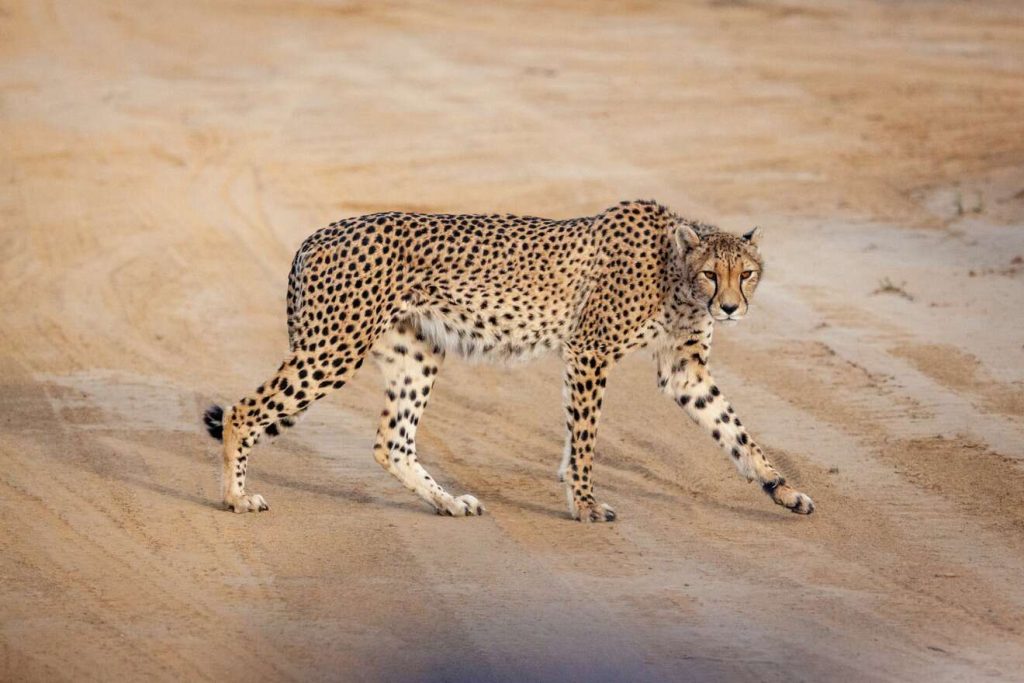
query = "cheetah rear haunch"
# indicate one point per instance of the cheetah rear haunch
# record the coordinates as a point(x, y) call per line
point(408, 288)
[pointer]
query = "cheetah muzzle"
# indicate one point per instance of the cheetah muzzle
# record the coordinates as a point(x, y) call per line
point(407, 289)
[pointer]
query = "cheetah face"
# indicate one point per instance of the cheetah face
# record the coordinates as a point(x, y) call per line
point(722, 270)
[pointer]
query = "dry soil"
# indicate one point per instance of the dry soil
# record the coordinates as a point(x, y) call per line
point(162, 161)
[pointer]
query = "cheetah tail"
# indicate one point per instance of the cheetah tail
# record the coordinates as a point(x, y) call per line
point(213, 418)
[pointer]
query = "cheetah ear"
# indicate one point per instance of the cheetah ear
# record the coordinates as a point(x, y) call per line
point(686, 237)
point(754, 236)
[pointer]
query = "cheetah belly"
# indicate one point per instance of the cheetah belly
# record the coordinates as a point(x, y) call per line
point(488, 339)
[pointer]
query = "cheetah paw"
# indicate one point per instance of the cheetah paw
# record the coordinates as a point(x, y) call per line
point(461, 506)
point(252, 502)
point(790, 498)
point(590, 511)
point(802, 504)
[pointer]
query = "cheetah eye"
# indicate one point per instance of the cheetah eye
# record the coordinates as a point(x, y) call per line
point(745, 274)
point(709, 274)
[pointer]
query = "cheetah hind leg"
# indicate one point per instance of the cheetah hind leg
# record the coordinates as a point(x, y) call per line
point(275, 429)
point(278, 402)
point(410, 365)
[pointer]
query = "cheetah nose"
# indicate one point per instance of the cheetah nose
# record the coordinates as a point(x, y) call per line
point(729, 308)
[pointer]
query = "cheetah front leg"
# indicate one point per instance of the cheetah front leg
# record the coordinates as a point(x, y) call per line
point(410, 365)
point(585, 376)
point(683, 374)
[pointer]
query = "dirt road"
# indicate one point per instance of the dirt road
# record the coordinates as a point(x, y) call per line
point(160, 163)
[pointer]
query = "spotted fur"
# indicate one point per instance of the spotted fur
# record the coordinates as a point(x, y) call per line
point(407, 289)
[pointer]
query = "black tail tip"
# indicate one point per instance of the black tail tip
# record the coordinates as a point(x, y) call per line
point(213, 418)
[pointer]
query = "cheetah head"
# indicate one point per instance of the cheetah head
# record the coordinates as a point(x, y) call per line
point(722, 270)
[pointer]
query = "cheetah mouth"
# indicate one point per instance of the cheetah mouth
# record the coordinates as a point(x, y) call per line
point(727, 319)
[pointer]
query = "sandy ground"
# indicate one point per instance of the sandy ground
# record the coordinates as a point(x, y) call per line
point(159, 165)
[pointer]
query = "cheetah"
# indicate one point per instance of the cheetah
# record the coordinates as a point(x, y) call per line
point(406, 289)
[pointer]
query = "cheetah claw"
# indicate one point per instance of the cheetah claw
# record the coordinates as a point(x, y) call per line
point(588, 512)
point(793, 500)
point(252, 502)
point(803, 505)
point(462, 506)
